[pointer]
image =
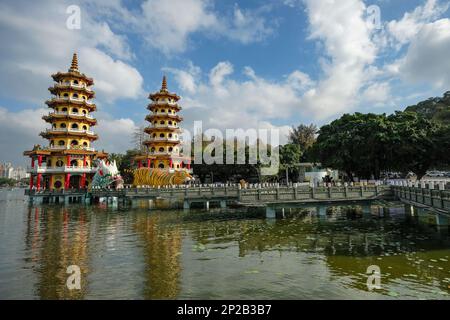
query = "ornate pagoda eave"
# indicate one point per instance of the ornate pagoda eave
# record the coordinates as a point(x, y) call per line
point(57, 88)
point(55, 134)
point(163, 94)
point(161, 157)
point(61, 101)
point(152, 117)
point(72, 74)
point(153, 106)
point(161, 142)
point(150, 130)
point(43, 152)
point(50, 118)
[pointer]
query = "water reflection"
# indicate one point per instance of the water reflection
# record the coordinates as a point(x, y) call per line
point(312, 253)
point(162, 250)
point(56, 238)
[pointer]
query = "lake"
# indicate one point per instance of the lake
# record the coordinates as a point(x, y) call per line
point(125, 253)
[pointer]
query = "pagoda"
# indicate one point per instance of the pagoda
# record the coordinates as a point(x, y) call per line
point(163, 147)
point(67, 161)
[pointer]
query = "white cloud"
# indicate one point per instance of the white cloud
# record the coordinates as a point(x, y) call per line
point(377, 93)
point(169, 23)
point(115, 135)
point(19, 132)
point(405, 29)
point(224, 103)
point(427, 59)
point(247, 26)
point(346, 37)
point(113, 78)
point(186, 78)
point(36, 43)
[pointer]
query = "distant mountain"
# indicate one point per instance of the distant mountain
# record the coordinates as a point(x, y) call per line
point(437, 109)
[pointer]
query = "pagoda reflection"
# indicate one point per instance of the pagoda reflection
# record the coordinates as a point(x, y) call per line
point(57, 238)
point(162, 242)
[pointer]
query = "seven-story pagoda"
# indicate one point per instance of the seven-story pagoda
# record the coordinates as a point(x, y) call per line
point(164, 143)
point(67, 161)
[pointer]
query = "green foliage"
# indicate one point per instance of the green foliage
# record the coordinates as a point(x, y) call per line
point(7, 182)
point(240, 169)
point(366, 144)
point(436, 109)
point(125, 164)
point(304, 136)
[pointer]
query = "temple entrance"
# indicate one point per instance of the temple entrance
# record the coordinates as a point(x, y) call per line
point(74, 182)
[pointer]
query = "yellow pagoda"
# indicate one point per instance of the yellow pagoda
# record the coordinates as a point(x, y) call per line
point(163, 148)
point(67, 161)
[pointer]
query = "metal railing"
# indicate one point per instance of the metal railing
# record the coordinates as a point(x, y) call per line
point(63, 169)
point(72, 99)
point(65, 113)
point(70, 130)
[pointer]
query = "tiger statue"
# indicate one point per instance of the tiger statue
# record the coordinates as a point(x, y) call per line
point(159, 177)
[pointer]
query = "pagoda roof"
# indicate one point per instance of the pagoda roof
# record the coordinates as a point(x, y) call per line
point(151, 117)
point(44, 152)
point(58, 87)
point(65, 101)
point(163, 92)
point(50, 133)
point(161, 157)
point(156, 105)
point(150, 130)
point(73, 72)
point(80, 118)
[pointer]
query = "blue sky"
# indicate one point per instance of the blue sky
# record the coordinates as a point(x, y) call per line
point(236, 64)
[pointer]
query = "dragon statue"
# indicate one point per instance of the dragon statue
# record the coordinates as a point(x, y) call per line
point(159, 177)
point(106, 175)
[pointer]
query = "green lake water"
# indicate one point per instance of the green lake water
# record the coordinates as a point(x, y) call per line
point(221, 254)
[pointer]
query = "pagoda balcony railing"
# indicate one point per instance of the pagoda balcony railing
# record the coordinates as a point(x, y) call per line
point(71, 130)
point(68, 84)
point(65, 113)
point(164, 139)
point(165, 126)
point(72, 99)
point(165, 114)
point(164, 153)
point(164, 103)
point(71, 148)
point(63, 169)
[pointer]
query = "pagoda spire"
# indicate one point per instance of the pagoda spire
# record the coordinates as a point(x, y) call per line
point(74, 65)
point(164, 84)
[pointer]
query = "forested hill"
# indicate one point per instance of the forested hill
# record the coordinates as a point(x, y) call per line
point(437, 109)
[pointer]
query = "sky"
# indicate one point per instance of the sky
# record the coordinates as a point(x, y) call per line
point(236, 64)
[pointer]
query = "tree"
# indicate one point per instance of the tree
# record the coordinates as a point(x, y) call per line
point(304, 136)
point(224, 172)
point(353, 144)
point(436, 109)
point(441, 142)
point(412, 142)
point(127, 165)
point(7, 182)
point(367, 144)
point(290, 156)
